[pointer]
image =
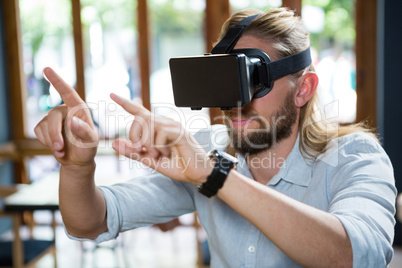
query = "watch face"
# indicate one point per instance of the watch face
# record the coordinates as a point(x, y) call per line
point(223, 164)
point(213, 153)
point(217, 154)
point(231, 158)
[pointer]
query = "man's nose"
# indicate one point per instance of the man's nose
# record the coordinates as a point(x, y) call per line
point(240, 110)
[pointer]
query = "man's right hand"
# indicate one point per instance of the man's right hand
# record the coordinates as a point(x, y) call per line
point(68, 130)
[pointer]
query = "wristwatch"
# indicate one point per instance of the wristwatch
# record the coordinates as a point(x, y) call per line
point(224, 162)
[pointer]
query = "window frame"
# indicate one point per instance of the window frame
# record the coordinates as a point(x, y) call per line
point(216, 12)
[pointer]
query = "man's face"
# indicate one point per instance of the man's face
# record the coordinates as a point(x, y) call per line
point(267, 120)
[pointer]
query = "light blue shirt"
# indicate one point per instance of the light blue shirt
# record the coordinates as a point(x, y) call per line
point(354, 181)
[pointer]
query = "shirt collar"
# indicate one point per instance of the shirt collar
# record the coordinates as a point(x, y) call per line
point(295, 169)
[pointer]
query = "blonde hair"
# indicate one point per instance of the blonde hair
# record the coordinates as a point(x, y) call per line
point(284, 31)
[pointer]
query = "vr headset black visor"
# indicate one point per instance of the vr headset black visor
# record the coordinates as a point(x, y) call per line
point(229, 78)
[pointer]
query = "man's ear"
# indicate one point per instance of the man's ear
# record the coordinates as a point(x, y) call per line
point(307, 87)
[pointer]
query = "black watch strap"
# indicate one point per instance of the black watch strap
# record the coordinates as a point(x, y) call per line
point(223, 164)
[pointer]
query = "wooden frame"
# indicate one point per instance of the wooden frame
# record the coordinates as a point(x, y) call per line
point(15, 83)
point(13, 52)
point(143, 51)
point(295, 5)
point(217, 11)
point(78, 48)
point(366, 61)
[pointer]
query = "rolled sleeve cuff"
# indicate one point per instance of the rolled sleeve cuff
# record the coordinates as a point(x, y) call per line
point(368, 249)
point(114, 218)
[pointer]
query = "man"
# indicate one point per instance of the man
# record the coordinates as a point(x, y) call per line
point(325, 198)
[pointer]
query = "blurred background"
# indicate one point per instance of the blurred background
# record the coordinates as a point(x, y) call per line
point(110, 60)
point(124, 46)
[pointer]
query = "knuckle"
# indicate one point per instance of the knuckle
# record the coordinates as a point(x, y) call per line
point(39, 125)
point(37, 131)
point(57, 108)
point(42, 121)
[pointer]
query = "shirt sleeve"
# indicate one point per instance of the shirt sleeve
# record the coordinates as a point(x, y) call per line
point(143, 201)
point(151, 199)
point(362, 196)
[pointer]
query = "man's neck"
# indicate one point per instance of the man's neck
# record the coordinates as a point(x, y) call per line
point(265, 165)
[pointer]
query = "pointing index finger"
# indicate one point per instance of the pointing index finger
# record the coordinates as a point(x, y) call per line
point(67, 93)
point(131, 107)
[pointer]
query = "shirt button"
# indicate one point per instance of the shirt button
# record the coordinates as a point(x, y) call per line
point(251, 249)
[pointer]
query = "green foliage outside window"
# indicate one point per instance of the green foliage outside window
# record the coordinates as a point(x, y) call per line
point(168, 17)
point(175, 18)
point(44, 18)
point(339, 22)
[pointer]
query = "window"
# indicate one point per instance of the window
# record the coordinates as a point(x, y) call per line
point(110, 46)
point(332, 32)
point(177, 30)
point(110, 38)
point(237, 5)
point(47, 41)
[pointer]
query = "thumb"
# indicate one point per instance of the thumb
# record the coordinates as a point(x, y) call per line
point(131, 151)
point(82, 112)
point(82, 134)
point(127, 149)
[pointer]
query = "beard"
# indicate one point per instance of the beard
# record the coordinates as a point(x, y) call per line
point(268, 133)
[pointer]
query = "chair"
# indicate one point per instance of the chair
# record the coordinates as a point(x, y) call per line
point(23, 253)
point(203, 255)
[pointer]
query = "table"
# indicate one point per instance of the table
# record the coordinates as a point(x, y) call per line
point(44, 193)
point(40, 195)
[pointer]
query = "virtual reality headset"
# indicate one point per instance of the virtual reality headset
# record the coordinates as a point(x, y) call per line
point(228, 78)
